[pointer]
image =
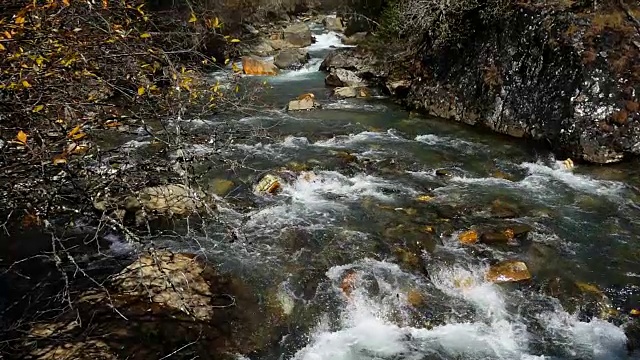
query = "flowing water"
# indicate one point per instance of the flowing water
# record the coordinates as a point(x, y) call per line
point(415, 292)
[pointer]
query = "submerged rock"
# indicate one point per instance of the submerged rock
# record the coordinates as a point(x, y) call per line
point(508, 271)
point(345, 92)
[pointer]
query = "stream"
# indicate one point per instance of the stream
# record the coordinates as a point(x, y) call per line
point(414, 291)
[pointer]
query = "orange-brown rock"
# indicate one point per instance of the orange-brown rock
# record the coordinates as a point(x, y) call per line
point(468, 237)
point(508, 271)
point(253, 66)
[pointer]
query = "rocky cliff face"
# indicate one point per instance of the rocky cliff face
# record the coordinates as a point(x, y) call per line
point(562, 74)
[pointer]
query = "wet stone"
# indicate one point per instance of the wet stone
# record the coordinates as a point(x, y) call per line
point(503, 209)
point(508, 271)
point(444, 173)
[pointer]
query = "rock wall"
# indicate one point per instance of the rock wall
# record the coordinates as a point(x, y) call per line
point(554, 74)
point(557, 72)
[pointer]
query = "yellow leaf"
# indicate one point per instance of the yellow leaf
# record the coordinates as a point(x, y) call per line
point(193, 18)
point(140, 91)
point(226, 61)
point(59, 159)
point(235, 40)
point(237, 88)
point(235, 68)
point(78, 136)
point(19, 20)
point(22, 137)
point(65, 2)
point(37, 108)
point(7, 34)
point(74, 131)
point(145, 35)
point(26, 84)
point(2, 48)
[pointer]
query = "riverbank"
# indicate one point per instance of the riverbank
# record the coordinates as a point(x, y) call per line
point(376, 234)
point(562, 74)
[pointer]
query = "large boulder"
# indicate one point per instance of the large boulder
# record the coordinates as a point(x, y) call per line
point(291, 59)
point(342, 77)
point(297, 35)
point(253, 66)
point(564, 73)
point(360, 61)
point(333, 23)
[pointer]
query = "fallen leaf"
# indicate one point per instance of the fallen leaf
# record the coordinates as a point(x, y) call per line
point(78, 136)
point(22, 137)
point(59, 159)
point(215, 23)
point(141, 91)
point(193, 18)
point(145, 36)
point(424, 198)
point(74, 131)
point(37, 108)
point(26, 84)
point(20, 19)
point(2, 48)
point(65, 2)
point(235, 40)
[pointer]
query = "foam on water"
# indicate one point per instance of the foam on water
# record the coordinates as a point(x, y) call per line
point(351, 104)
point(343, 141)
point(541, 174)
point(368, 330)
point(327, 40)
point(435, 140)
point(543, 181)
point(315, 199)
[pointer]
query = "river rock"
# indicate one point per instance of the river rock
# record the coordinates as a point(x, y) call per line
point(503, 209)
point(174, 199)
point(508, 271)
point(268, 184)
point(354, 59)
point(398, 87)
point(297, 35)
point(292, 59)
point(259, 47)
point(577, 90)
point(468, 237)
point(343, 78)
point(333, 23)
point(306, 103)
point(157, 304)
point(253, 66)
point(221, 187)
point(345, 92)
point(355, 39)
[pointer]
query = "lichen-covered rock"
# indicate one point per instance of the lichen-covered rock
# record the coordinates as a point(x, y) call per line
point(558, 72)
point(171, 199)
point(156, 305)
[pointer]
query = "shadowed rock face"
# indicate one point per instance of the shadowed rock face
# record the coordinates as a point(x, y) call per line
point(561, 74)
point(556, 75)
